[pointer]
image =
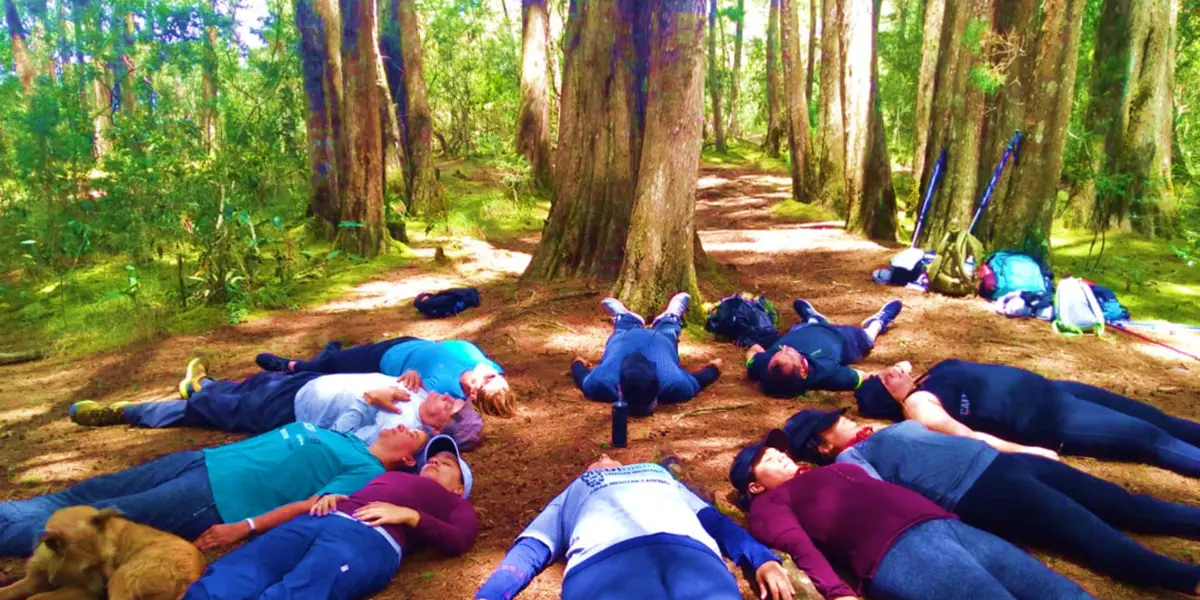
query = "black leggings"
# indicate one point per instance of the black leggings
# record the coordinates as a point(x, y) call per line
point(357, 359)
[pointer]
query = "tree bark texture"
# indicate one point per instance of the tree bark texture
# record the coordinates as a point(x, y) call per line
point(362, 200)
point(935, 11)
point(735, 129)
point(659, 253)
point(323, 138)
point(20, 50)
point(799, 137)
point(775, 96)
point(425, 196)
point(812, 48)
point(870, 196)
point(714, 79)
point(533, 115)
point(599, 141)
point(831, 149)
point(128, 77)
point(1131, 113)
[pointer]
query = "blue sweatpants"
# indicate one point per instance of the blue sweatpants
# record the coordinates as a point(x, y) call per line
point(308, 557)
point(257, 404)
point(666, 568)
point(946, 558)
point(171, 493)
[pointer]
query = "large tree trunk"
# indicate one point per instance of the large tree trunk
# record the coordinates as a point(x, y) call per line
point(20, 50)
point(774, 84)
point(935, 11)
point(362, 229)
point(735, 129)
point(599, 141)
point(831, 149)
point(812, 48)
point(533, 116)
point(1131, 113)
point(799, 138)
point(659, 251)
point(425, 196)
point(870, 197)
point(714, 79)
point(322, 139)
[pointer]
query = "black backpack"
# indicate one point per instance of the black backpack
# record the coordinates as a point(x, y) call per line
point(745, 320)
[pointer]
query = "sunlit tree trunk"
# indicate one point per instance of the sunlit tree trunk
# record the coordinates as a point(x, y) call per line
point(870, 196)
point(362, 229)
point(735, 129)
point(533, 115)
point(812, 48)
point(320, 41)
point(425, 196)
point(659, 252)
point(935, 11)
point(129, 64)
point(774, 84)
point(714, 79)
point(20, 50)
point(831, 148)
point(799, 138)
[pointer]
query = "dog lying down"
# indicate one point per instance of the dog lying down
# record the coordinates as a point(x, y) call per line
point(85, 550)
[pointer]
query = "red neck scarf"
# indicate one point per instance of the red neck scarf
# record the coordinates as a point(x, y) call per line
point(862, 434)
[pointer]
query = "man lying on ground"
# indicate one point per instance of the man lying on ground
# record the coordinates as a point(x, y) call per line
point(815, 354)
point(350, 547)
point(898, 544)
point(1026, 499)
point(222, 494)
point(454, 367)
point(362, 404)
point(634, 532)
point(641, 363)
point(962, 398)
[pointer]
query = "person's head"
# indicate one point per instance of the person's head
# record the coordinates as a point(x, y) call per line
point(786, 372)
point(489, 389)
point(604, 462)
point(880, 395)
point(819, 435)
point(442, 462)
point(762, 466)
point(638, 383)
point(398, 447)
point(439, 409)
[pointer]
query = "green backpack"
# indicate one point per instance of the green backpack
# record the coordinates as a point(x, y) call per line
point(948, 273)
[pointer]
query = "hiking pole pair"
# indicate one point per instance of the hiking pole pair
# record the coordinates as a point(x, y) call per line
point(1013, 149)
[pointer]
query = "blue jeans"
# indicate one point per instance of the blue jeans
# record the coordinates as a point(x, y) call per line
point(260, 403)
point(364, 358)
point(308, 557)
point(171, 493)
point(669, 325)
point(1034, 501)
point(946, 558)
point(670, 567)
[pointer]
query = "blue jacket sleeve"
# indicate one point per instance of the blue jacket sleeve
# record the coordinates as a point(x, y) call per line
point(579, 373)
point(707, 376)
point(524, 561)
point(735, 542)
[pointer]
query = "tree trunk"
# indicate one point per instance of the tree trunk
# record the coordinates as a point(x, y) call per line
point(533, 116)
point(1131, 113)
point(714, 79)
point(209, 111)
point(129, 65)
point(812, 48)
point(317, 28)
point(870, 197)
point(425, 196)
point(599, 141)
point(832, 132)
point(935, 11)
point(799, 138)
point(659, 254)
point(362, 229)
point(774, 85)
point(735, 129)
point(20, 50)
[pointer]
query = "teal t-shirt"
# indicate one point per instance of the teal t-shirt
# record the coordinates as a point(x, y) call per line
point(440, 364)
point(289, 464)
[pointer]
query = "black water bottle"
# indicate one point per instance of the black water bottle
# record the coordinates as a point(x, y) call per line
point(620, 418)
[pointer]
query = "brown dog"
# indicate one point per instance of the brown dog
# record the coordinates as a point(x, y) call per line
point(85, 548)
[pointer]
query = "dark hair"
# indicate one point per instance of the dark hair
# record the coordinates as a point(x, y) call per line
point(638, 379)
point(782, 385)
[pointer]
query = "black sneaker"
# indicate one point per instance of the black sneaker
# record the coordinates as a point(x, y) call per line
point(804, 309)
point(885, 316)
point(270, 362)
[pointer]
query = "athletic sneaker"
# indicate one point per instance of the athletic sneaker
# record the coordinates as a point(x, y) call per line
point(885, 316)
point(804, 309)
point(677, 307)
point(91, 414)
point(617, 308)
point(197, 370)
point(270, 362)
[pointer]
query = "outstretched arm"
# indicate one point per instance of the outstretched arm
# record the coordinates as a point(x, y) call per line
point(230, 533)
point(708, 374)
point(777, 526)
point(579, 371)
point(924, 408)
point(524, 561)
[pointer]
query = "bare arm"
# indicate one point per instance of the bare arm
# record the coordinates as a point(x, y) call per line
point(924, 408)
point(231, 533)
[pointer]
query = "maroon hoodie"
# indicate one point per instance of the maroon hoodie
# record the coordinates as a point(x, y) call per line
point(840, 512)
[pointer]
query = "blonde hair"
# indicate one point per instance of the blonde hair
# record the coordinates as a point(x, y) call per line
point(497, 400)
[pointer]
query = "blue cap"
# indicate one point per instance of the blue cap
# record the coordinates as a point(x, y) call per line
point(741, 474)
point(445, 443)
point(876, 402)
point(803, 428)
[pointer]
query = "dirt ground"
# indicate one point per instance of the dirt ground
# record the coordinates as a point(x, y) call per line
point(535, 331)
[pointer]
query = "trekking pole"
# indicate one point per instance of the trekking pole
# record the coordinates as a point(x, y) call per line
point(934, 180)
point(1147, 338)
point(1013, 149)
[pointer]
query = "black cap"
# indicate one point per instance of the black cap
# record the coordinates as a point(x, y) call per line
point(639, 381)
point(803, 429)
point(741, 474)
point(876, 402)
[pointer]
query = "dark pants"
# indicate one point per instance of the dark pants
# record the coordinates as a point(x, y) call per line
point(1039, 502)
point(1096, 422)
point(308, 557)
point(858, 343)
point(357, 359)
point(946, 558)
point(171, 493)
point(258, 404)
point(662, 569)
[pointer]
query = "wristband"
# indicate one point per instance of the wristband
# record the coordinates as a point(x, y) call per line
point(251, 522)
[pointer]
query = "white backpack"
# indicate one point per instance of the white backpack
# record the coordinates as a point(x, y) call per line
point(1076, 310)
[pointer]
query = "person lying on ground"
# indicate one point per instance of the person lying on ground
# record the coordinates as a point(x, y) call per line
point(220, 495)
point(896, 543)
point(1026, 499)
point(349, 547)
point(455, 367)
point(963, 398)
point(816, 354)
point(633, 531)
point(362, 404)
point(641, 364)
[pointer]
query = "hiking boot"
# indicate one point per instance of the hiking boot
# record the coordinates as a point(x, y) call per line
point(616, 308)
point(885, 316)
point(91, 414)
point(271, 362)
point(804, 309)
point(197, 370)
point(676, 307)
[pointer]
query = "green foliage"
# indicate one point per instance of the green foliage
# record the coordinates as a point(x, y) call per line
point(899, 47)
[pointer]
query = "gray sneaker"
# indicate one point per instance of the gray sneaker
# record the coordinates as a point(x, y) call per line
point(616, 308)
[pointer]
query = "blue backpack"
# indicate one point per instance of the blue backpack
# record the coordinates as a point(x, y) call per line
point(745, 320)
point(1113, 309)
point(1012, 271)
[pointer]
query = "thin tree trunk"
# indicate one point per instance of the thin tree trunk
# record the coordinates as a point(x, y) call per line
point(832, 131)
point(774, 84)
point(935, 11)
point(533, 115)
point(714, 79)
point(362, 229)
point(735, 129)
point(872, 204)
point(799, 138)
point(659, 253)
point(129, 66)
point(322, 137)
point(209, 85)
point(812, 48)
point(425, 196)
point(20, 50)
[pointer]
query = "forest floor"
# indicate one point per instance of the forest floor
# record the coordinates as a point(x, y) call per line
point(534, 331)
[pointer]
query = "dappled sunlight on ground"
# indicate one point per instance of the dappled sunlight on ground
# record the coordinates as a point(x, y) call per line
point(9, 417)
